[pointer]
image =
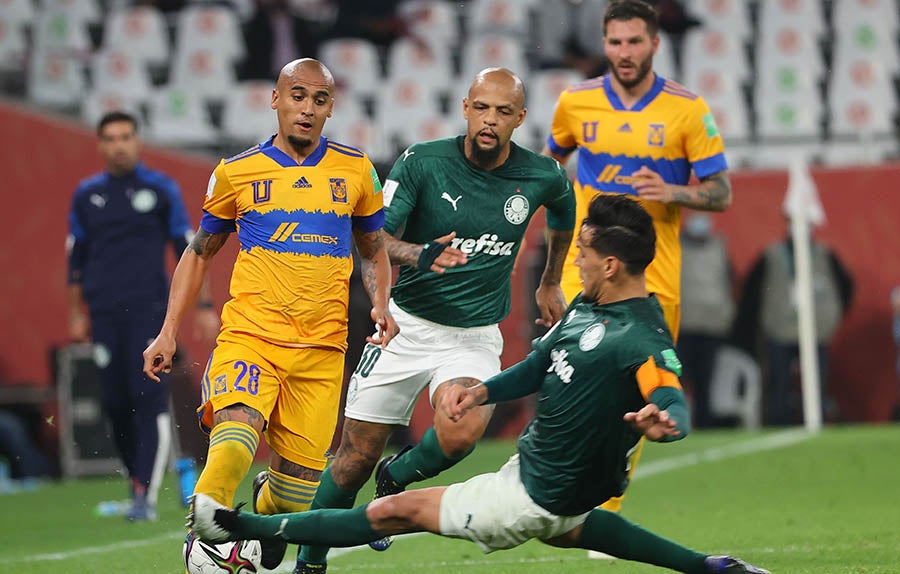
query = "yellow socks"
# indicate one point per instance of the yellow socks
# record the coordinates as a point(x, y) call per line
point(283, 493)
point(232, 446)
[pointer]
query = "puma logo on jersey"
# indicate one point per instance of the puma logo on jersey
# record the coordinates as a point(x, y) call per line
point(486, 244)
point(407, 153)
point(560, 365)
point(452, 201)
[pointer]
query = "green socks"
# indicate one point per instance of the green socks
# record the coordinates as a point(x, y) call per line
point(425, 460)
point(610, 533)
point(328, 496)
point(332, 527)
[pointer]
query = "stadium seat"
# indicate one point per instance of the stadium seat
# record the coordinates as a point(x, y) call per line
point(139, 31)
point(81, 11)
point(13, 43)
point(786, 43)
point(56, 29)
point(55, 79)
point(402, 103)
point(355, 64)
point(432, 21)
point(498, 17)
point(804, 14)
point(542, 91)
point(788, 102)
point(350, 126)
point(210, 27)
point(865, 41)
point(247, 117)
point(410, 59)
point(428, 128)
point(178, 117)
point(561, 21)
point(728, 16)
point(879, 13)
point(713, 49)
point(725, 98)
point(862, 101)
point(664, 61)
point(484, 51)
point(99, 102)
point(204, 72)
point(736, 387)
point(119, 72)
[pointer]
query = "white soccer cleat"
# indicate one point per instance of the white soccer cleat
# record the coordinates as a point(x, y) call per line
point(597, 555)
point(206, 519)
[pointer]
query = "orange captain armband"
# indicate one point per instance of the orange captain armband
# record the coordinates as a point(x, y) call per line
point(650, 377)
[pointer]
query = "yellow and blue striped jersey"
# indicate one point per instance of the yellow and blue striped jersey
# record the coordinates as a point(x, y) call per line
point(670, 130)
point(294, 222)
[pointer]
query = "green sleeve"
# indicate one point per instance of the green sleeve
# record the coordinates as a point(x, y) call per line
point(561, 210)
point(401, 193)
point(672, 400)
point(522, 379)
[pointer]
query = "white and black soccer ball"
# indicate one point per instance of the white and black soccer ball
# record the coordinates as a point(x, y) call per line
point(241, 557)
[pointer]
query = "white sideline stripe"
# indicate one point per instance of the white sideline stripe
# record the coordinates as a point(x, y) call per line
point(768, 442)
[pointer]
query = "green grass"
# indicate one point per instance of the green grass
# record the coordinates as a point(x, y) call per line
point(828, 504)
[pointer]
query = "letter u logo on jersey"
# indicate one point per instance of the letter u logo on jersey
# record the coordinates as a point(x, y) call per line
point(589, 131)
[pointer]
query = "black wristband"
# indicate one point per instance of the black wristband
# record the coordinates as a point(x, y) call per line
point(430, 252)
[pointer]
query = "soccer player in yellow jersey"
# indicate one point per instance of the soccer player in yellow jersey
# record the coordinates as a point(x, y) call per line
point(639, 134)
point(297, 202)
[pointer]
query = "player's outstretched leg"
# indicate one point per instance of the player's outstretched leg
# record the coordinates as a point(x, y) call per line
point(610, 533)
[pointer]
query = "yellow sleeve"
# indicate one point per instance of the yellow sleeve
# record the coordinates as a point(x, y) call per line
point(562, 140)
point(368, 213)
point(650, 377)
point(704, 148)
point(220, 195)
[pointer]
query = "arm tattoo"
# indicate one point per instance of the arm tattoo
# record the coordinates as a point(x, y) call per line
point(369, 244)
point(206, 244)
point(557, 249)
point(403, 253)
point(713, 193)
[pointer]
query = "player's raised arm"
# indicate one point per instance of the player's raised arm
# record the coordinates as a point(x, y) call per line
point(186, 282)
point(376, 278)
point(436, 255)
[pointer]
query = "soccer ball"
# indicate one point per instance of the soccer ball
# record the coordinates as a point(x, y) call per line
point(241, 557)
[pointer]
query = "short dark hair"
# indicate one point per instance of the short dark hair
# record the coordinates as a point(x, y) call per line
point(623, 10)
point(623, 229)
point(116, 116)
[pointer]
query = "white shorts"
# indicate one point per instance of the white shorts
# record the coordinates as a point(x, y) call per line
point(386, 383)
point(494, 511)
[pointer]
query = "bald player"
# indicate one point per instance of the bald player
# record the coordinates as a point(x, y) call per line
point(456, 210)
point(296, 201)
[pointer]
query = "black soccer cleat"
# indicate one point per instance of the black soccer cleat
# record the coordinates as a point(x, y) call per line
point(272, 550)
point(730, 565)
point(309, 568)
point(385, 485)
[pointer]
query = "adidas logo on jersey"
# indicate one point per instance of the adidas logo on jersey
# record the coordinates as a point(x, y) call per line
point(301, 183)
point(486, 244)
point(625, 128)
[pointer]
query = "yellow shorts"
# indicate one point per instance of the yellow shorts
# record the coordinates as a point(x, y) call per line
point(297, 390)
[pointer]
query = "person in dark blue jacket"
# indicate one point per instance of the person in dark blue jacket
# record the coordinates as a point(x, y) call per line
point(119, 224)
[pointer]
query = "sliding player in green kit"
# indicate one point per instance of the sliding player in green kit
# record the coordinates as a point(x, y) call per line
point(606, 375)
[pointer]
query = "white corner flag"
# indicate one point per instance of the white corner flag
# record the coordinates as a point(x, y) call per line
point(802, 205)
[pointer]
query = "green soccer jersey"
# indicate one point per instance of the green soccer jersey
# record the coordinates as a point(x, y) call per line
point(433, 190)
point(574, 454)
